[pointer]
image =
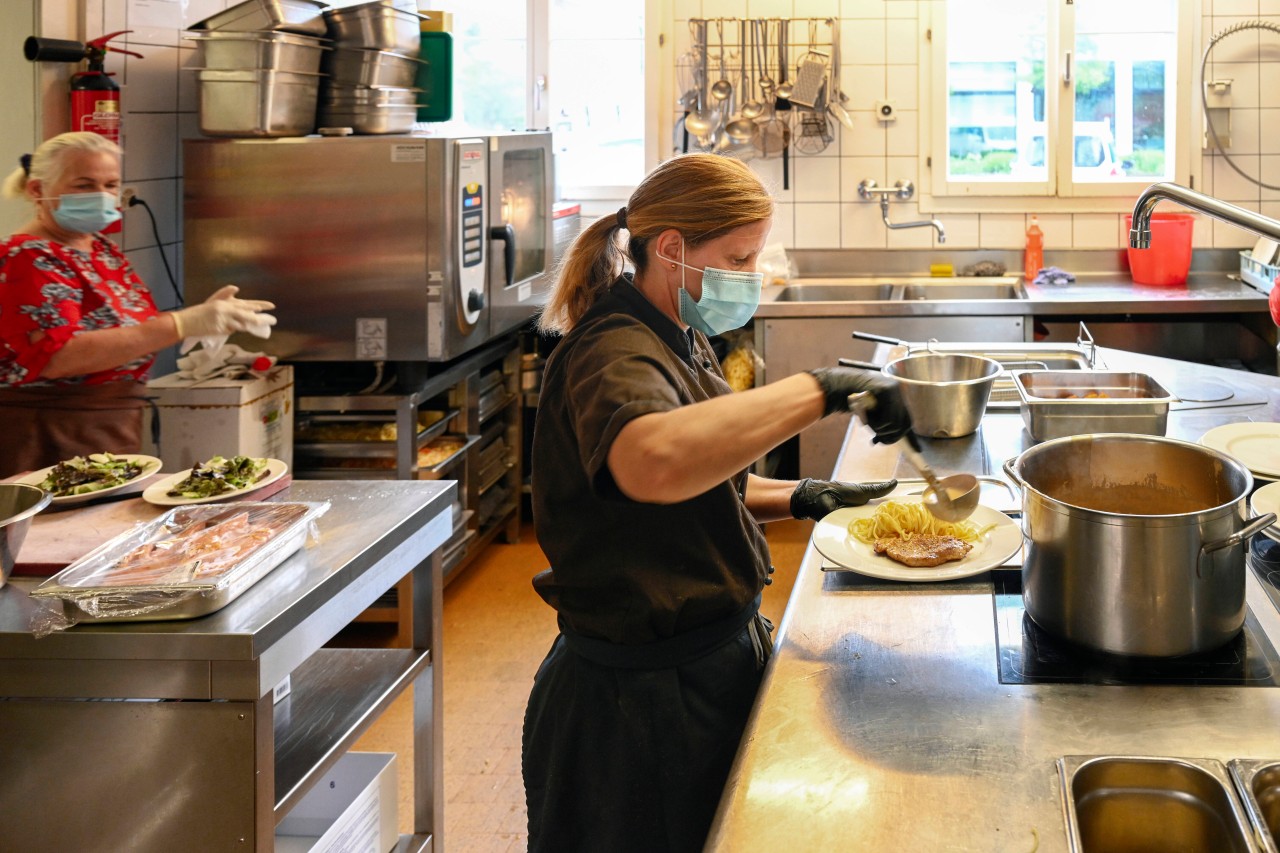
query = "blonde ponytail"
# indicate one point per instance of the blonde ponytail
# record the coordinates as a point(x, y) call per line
point(703, 196)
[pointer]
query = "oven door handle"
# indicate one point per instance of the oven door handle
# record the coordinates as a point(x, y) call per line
point(507, 235)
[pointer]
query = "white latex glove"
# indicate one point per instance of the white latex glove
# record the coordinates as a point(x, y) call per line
point(223, 314)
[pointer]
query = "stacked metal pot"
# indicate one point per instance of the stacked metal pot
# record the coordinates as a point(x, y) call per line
point(371, 69)
point(259, 68)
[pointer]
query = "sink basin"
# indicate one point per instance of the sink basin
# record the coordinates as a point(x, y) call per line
point(837, 293)
point(1125, 804)
point(962, 291)
point(1258, 782)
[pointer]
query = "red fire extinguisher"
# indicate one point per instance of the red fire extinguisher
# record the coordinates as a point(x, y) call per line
point(95, 97)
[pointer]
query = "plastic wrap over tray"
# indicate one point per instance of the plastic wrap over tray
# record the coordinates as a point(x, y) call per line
point(190, 561)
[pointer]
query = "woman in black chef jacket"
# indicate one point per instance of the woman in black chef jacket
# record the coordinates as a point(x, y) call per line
point(78, 328)
point(643, 504)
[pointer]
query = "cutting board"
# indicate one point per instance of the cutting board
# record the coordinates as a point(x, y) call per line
point(58, 539)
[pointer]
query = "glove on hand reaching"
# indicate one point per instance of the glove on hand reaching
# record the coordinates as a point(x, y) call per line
point(888, 418)
point(224, 314)
point(815, 499)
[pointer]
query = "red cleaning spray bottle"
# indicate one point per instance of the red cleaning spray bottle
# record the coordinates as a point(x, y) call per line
point(1033, 258)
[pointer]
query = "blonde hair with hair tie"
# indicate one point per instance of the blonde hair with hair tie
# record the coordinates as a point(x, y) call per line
point(703, 196)
point(49, 160)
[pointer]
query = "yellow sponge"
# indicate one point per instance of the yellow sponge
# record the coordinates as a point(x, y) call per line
point(942, 270)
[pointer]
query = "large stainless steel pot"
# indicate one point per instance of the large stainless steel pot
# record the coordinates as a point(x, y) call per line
point(1133, 542)
point(945, 394)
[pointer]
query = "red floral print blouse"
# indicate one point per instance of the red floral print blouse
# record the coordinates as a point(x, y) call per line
point(46, 286)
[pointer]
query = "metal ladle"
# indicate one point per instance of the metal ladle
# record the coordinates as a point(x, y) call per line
point(722, 88)
point(952, 498)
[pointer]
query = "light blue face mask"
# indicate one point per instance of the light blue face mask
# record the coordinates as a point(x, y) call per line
point(729, 299)
point(86, 213)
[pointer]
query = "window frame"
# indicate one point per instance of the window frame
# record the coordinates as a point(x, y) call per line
point(1058, 192)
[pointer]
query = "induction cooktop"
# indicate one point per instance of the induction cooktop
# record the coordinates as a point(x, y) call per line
point(1030, 655)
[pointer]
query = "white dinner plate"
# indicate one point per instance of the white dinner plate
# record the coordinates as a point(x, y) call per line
point(158, 492)
point(831, 538)
point(150, 465)
point(1255, 445)
point(1265, 500)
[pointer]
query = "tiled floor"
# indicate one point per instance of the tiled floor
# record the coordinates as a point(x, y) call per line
point(496, 631)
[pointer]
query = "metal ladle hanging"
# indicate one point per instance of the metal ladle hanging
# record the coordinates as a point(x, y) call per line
point(741, 129)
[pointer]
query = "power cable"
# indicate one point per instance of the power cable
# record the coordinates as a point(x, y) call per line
point(155, 230)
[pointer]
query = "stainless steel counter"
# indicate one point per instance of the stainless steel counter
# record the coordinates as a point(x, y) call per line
point(882, 725)
point(164, 735)
point(1092, 294)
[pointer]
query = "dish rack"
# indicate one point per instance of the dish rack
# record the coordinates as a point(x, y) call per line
point(1260, 275)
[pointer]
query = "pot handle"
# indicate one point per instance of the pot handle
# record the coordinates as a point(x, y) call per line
point(1252, 526)
point(864, 365)
point(867, 336)
point(1007, 467)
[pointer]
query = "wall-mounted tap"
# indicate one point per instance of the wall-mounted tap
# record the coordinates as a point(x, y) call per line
point(903, 190)
point(1140, 233)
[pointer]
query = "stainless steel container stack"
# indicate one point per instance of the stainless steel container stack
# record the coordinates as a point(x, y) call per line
point(259, 68)
point(371, 70)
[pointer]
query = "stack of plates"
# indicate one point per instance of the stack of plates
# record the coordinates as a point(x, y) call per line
point(1254, 445)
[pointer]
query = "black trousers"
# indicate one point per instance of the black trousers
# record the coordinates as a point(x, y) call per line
point(619, 759)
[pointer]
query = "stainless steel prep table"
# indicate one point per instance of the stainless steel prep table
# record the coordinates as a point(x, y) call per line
point(163, 736)
point(882, 724)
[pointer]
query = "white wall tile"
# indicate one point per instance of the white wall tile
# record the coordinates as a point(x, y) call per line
point(1095, 230)
point(150, 268)
point(813, 9)
point(862, 8)
point(115, 15)
point(857, 169)
point(864, 84)
point(901, 169)
point(724, 8)
point(817, 225)
point(150, 144)
point(1269, 173)
point(902, 135)
point(962, 230)
point(161, 196)
point(154, 22)
point(1245, 138)
point(867, 139)
point(1056, 228)
point(902, 86)
point(770, 8)
point(816, 178)
point(1230, 237)
point(188, 92)
point(862, 41)
point(151, 83)
point(901, 9)
point(861, 226)
point(1235, 7)
point(901, 42)
point(770, 172)
point(1003, 230)
point(1244, 76)
point(1229, 185)
point(194, 11)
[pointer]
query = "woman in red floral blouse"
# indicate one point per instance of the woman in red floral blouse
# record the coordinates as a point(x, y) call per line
point(78, 328)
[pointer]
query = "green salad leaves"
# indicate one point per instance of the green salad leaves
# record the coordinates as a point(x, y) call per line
point(220, 475)
point(81, 475)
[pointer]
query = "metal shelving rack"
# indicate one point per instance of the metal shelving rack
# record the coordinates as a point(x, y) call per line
point(479, 395)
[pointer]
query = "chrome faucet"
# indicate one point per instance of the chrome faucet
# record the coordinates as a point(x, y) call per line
point(1140, 233)
point(904, 191)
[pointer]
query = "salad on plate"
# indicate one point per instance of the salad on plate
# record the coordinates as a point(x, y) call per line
point(219, 475)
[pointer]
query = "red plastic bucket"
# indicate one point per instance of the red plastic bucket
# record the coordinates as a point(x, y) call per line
point(1168, 260)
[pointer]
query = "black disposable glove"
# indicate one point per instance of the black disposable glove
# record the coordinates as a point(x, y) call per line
point(888, 418)
point(815, 499)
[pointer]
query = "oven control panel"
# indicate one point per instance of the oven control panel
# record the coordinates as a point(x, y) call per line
point(471, 258)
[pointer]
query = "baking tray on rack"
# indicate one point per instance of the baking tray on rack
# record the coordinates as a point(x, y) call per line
point(364, 448)
point(322, 471)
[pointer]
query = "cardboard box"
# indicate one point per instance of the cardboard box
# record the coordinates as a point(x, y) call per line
point(222, 417)
point(351, 810)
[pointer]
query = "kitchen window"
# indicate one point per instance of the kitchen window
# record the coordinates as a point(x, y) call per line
point(1073, 98)
point(563, 65)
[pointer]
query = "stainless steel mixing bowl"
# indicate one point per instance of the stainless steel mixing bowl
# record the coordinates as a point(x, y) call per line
point(18, 505)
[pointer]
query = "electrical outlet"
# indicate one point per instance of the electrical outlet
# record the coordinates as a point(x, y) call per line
point(886, 110)
point(127, 195)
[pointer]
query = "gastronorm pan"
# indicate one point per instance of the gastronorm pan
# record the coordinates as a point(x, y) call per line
point(295, 16)
point(119, 581)
point(267, 51)
point(375, 26)
point(1123, 803)
point(1056, 404)
point(258, 103)
point(353, 67)
point(1258, 783)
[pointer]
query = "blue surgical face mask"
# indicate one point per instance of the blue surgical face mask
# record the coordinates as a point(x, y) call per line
point(729, 299)
point(86, 213)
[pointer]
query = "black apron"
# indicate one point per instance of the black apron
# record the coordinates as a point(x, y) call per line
point(46, 425)
point(629, 747)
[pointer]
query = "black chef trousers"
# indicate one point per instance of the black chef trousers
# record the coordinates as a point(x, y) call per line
point(620, 755)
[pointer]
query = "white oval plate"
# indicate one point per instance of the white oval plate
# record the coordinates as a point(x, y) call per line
point(831, 538)
point(157, 492)
point(150, 465)
point(1256, 445)
point(1265, 500)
